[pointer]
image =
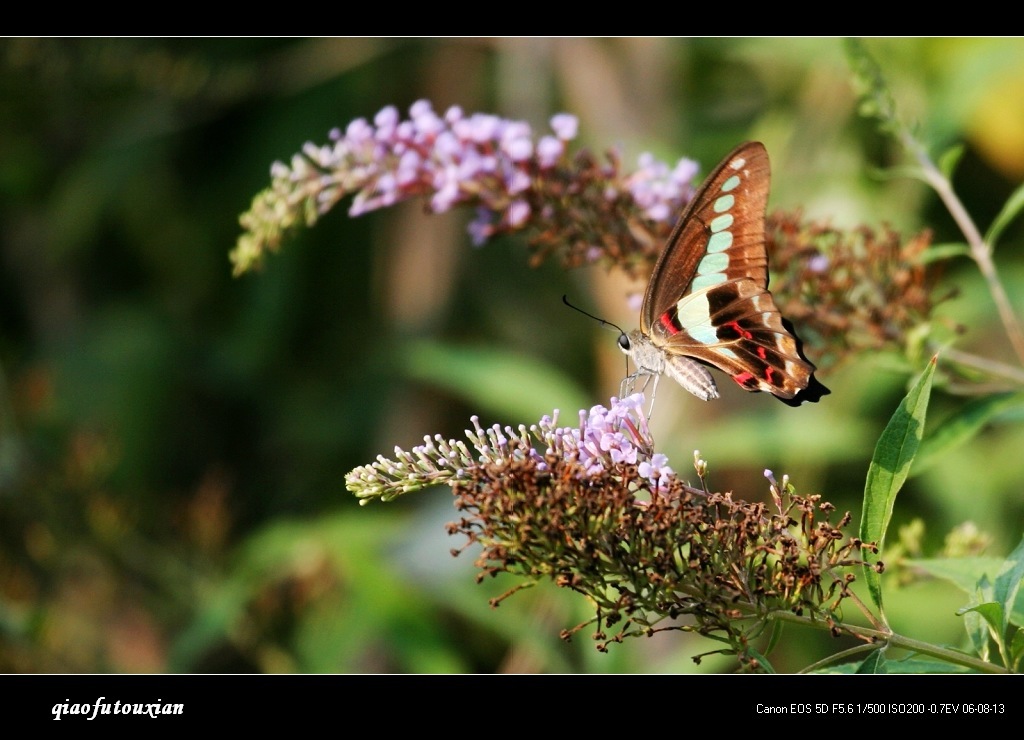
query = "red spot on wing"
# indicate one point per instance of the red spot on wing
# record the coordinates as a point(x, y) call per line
point(746, 380)
point(735, 327)
point(668, 321)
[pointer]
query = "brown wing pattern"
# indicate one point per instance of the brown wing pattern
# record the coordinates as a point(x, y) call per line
point(687, 245)
point(708, 298)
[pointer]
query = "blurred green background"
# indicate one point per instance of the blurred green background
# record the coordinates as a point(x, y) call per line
point(173, 441)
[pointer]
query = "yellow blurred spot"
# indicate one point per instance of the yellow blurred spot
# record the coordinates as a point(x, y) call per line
point(997, 126)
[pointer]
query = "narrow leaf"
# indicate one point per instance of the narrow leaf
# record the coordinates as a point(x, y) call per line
point(873, 664)
point(1007, 584)
point(876, 99)
point(949, 160)
point(963, 425)
point(977, 633)
point(1016, 650)
point(979, 616)
point(889, 468)
point(775, 636)
point(1011, 208)
point(936, 252)
point(990, 611)
point(765, 664)
point(917, 665)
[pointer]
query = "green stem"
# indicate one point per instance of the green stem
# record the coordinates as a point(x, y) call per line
point(992, 367)
point(896, 640)
point(981, 252)
point(834, 659)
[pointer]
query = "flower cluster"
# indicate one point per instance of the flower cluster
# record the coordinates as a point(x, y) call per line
point(452, 159)
point(658, 190)
point(593, 508)
point(684, 559)
point(849, 291)
point(605, 438)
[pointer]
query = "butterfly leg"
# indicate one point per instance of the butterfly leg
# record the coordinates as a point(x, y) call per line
point(654, 392)
point(629, 383)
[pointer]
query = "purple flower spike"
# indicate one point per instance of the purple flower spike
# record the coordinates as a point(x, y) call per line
point(480, 160)
point(605, 443)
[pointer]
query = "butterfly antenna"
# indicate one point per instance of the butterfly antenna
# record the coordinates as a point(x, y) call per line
point(623, 342)
point(565, 300)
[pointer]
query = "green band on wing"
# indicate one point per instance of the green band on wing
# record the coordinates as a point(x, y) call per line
point(692, 313)
point(720, 242)
point(721, 223)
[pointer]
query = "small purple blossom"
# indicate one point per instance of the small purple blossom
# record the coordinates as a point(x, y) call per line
point(657, 471)
point(386, 121)
point(565, 126)
point(658, 190)
point(818, 264)
point(481, 228)
point(518, 212)
point(549, 151)
point(605, 439)
point(358, 132)
point(517, 182)
point(611, 436)
point(775, 488)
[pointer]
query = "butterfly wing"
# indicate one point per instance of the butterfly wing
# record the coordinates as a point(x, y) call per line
point(708, 297)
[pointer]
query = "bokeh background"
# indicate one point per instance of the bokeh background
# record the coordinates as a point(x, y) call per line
point(173, 440)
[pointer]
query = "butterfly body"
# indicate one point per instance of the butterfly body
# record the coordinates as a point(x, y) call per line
point(707, 303)
point(653, 361)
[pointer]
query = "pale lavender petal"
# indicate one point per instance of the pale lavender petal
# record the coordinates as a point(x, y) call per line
point(518, 213)
point(549, 151)
point(565, 126)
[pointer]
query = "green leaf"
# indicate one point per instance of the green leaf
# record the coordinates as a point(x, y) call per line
point(1007, 584)
point(967, 573)
point(765, 663)
point(981, 619)
point(889, 468)
point(1016, 649)
point(949, 160)
point(1011, 208)
point(775, 636)
point(518, 388)
point(873, 664)
point(990, 611)
point(876, 100)
point(917, 665)
point(977, 633)
point(961, 426)
point(936, 252)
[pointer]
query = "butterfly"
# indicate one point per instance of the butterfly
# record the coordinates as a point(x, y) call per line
point(707, 303)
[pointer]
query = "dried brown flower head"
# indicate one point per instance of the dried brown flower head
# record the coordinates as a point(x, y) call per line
point(678, 559)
